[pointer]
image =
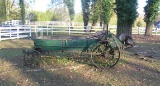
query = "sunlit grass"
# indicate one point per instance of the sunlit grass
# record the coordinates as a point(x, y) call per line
point(130, 70)
point(11, 75)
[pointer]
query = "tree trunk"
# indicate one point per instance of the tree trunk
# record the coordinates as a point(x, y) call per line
point(85, 10)
point(120, 29)
point(85, 19)
point(22, 11)
point(71, 25)
point(148, 31)
point(100, 23)
point(128, 30)
point(8, 10)
point(3, 11)
point(124, 29)
point(85, 23)
point(105, 27)
point(94, 24)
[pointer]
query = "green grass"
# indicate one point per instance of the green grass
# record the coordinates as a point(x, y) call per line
point(68, 69)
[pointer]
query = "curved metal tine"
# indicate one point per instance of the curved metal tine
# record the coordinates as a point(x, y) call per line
point(97, 34)
point(28, 60)
point(32, 39)
point(92, 36)
point(39, 54)
point(36, 51)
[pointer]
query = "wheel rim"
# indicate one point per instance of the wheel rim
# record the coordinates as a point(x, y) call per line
point(104, 56)
point(30, 57)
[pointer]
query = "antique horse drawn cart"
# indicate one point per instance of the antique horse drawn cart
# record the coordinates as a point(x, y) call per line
point(103, 47)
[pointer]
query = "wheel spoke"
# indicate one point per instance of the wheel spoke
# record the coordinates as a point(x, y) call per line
point(106, 56)
point(30, 57)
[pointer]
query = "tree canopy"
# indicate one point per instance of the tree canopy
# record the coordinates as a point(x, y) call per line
point(43, 16)
point(9, 10)
point(151, 11)
point(22, 8)
point(2, 10)
point(126, 14)
point(97, 10)
point(68, 3)
point(70, 6)
point(106, 12)
point(86, 11)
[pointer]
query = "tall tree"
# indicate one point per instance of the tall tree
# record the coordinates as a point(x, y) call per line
point(102, 9)
point(95, 11)
point(126, 14)
point(159, 7)
point(22, 8)
point(70, 6)
point(106, 12)
point(157, 18)
point(9, 10)
point(2, 10)
point(86, 11)
point(151, 11)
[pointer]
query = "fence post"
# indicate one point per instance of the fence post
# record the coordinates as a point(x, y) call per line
point(18, 32)
point(35, 30)
point(10, 32)
point(69, 29)
point(156, 31)
point(52, 29)
point(30, 31)
point(138, 31)
point(41, 33)
point(47, 29)
point(0, 34)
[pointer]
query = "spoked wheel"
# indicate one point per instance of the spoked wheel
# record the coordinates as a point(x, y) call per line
point(30, 57)
point(103, 56)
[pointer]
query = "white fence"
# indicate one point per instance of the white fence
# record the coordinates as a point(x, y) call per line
point(66, 29)
point(50, 29)
point(141, 30)
point(14, 32)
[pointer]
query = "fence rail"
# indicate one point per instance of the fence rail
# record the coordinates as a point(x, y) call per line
point(14, 32)
point(80, 29)
point(66, 29)
point(21, 31)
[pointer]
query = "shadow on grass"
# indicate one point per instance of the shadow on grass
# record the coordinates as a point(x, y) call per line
point(41, 76)
point(6, 82)
point(56, 76)
point(149, 50)
point(142, 73)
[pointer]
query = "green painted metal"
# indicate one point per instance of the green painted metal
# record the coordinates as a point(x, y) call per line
point(105, 47)
point(76, 44)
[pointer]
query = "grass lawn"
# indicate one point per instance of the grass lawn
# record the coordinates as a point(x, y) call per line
point(138, 66)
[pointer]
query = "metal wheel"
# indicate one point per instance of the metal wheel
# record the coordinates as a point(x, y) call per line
point(103, 56)
point(30, 57)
